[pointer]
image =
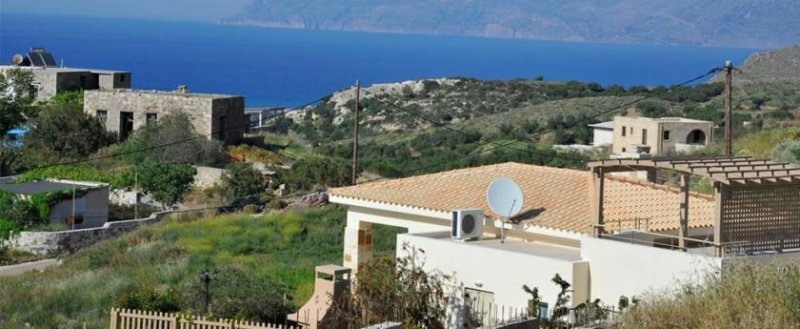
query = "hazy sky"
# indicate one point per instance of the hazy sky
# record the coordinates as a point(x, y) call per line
point(158, 9)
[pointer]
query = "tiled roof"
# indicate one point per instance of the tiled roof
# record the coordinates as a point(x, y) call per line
point(629, 200)
point(554, 198)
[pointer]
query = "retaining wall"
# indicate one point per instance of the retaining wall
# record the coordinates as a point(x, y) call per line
point(44, 243)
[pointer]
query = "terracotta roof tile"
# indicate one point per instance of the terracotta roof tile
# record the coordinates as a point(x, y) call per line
point(554, 198)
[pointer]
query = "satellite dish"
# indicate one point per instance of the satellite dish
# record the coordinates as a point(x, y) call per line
point(505, 197)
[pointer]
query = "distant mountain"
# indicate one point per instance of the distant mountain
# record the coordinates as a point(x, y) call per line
point(731, 23)
point(782, 65)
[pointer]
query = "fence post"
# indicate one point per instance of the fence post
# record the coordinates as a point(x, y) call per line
point(113, 324)
point(174, 324)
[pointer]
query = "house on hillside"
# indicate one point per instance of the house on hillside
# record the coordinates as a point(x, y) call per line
point(51, 78)
point(654, 136)
point(89, 205)
point(607, 236)
point(215, 116)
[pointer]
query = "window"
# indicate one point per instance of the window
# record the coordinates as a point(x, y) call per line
point(102, 115)
point(121, 78)
point(644, 136)
point(623, 131)
point(623, 150)
point(666, 135)
point(151, 118)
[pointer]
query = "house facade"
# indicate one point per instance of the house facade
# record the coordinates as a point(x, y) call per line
point(660, 136)
point(90, 205)
point(216, 116)
point(51, 79)
point(644, 246)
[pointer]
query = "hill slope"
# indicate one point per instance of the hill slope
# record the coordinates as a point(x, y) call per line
point(739, 23)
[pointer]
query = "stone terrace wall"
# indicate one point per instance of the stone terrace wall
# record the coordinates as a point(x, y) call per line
point(44, 243)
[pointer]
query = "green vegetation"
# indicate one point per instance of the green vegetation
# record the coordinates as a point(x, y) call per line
point(61, 130)
point(16, 100)
point(121, 177)
point(257, 258)
point(166, 183)
point(242, 181)
point(746, 296)
point(392, 289)
point(172, 139)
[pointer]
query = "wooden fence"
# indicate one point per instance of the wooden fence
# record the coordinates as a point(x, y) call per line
point(134, 319)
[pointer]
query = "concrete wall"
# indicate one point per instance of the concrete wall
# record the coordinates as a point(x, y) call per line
point(114, 80)
point(93, 206)
point(621, 268)
point(502, 272)
point(44, 243)
point(602, 137)
point(204, 111)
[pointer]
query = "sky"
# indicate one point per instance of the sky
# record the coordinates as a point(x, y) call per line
point(203, 10)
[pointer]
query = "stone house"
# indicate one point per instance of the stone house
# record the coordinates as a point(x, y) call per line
point(90, 203)
point(51, 79)
point(216, 116)
point(660, 136)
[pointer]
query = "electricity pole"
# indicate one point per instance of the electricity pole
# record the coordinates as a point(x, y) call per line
point(355, 131)
point(728, 87)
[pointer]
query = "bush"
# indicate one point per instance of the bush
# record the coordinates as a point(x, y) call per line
point(745, 296)
point(241, 180)
point(166, 183)
point(149, 299)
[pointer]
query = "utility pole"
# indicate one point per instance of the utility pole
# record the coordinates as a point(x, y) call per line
point(136, 195)
point(728, 87)
point(355, 132)
point(73, 206)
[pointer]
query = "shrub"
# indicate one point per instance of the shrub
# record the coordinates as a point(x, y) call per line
point(149, 299)
point(744, 296)
point(166, 183)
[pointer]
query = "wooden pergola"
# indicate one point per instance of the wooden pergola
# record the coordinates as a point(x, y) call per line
point(757, 201)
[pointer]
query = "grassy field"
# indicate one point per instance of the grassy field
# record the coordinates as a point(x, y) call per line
point(257, 258)
point(748, 296)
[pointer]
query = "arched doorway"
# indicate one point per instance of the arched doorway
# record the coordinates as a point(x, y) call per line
point(696, 137)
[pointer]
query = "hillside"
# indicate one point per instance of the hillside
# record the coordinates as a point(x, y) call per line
point(730, 23)
point(257, 259)
point(782, 65)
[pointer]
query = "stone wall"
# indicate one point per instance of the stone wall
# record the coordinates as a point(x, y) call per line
point(44, 243)
point(211, 115)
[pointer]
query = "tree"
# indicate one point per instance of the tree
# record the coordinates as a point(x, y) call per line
point(64, 130)
point(17, 94)
point(166, 183)
point(243, 181)
point(185, 145)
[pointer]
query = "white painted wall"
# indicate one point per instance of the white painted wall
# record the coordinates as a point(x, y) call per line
point(602, 137)
point(502, 272)
point(621, 268)
point(414, 224)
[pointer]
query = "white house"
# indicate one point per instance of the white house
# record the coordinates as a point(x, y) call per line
point(607, 236)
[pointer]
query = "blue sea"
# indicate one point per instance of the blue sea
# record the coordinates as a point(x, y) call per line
point(278, 67)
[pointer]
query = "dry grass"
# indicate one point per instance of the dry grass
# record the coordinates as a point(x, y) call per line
point(747, 296)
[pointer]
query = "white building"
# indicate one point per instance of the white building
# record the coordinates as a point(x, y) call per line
point(602, 133)
point(607, 236)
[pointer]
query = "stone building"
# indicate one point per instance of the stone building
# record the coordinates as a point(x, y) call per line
point(216, 116)
point(660, 136)
point(51, 79)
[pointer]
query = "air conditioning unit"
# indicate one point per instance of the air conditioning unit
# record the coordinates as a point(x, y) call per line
point(467, 224)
